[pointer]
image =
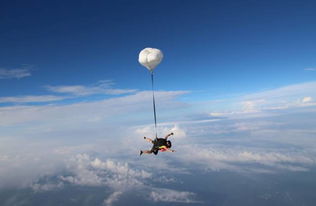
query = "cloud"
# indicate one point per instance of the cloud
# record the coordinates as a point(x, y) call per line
point(218, 114)
point(310, 69)
point(168, 195)
point(252, 105)
point(287, 92)
point(31, 99)
point(102, 87)
point(85, 170)
point(89, 171)
point(279, 141)
point(163, 130)
point(307, 99)
point(32, 163)
point(81, 114)
point(281, 98)
point(36, 187)
point(25, 163)
point(234, 159)
point(114, 175)
point(112, 198)
point(68, 92)
point(264, 102)
point(14, 73)
point(243, 145)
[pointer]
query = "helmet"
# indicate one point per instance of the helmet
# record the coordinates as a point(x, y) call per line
point(168, 144)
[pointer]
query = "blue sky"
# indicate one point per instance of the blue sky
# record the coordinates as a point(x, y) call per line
point(237, 87)
point(219, 48)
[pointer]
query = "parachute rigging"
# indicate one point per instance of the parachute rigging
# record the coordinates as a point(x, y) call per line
point(154, 102)
point(150, 58)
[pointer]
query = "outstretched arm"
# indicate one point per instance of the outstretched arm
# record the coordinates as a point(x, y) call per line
point(170, 150)
point(168, 135)
point(148, 139)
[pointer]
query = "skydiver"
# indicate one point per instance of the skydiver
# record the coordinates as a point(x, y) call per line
point(159, 144)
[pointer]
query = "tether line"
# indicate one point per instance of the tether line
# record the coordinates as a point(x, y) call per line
point(154, 103)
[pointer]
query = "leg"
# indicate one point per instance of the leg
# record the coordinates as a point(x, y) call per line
point(145, 152)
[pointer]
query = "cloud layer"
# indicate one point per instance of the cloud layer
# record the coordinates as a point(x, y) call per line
point(96, 144)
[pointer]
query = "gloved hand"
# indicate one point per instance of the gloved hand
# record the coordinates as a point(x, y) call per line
point(171, 133)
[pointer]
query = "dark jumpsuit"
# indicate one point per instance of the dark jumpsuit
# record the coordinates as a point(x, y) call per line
point(158, 142)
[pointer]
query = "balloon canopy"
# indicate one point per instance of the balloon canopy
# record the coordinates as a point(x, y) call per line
point(150, 58)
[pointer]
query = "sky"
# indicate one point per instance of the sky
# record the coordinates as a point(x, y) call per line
point(237, 87)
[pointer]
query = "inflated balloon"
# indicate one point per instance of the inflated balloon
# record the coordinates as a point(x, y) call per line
point(150, 58)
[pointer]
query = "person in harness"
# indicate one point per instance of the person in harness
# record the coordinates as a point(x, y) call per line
point(159, 144)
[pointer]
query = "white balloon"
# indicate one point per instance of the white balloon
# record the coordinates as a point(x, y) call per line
point(150, 58)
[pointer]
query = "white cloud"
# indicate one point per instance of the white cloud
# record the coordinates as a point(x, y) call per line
point(25, 164)
point(307, 99)
point(89, 171)
point(14, 73)
point(82, 174)
point(163, 130)
point(103, 87)
point(79, 114)
point(31, 99)
point(84, 170)
point(120, 177)
point(112, 198)
point(168, 195)
point(252, 105)
point(262, 103)
point(234, 158)
point(69, 92)
point(118, 168)
point(36, 187)
point(285, 96)
point(310, 69)
point(218, 114)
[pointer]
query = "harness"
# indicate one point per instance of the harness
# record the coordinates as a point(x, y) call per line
point(162, 148)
